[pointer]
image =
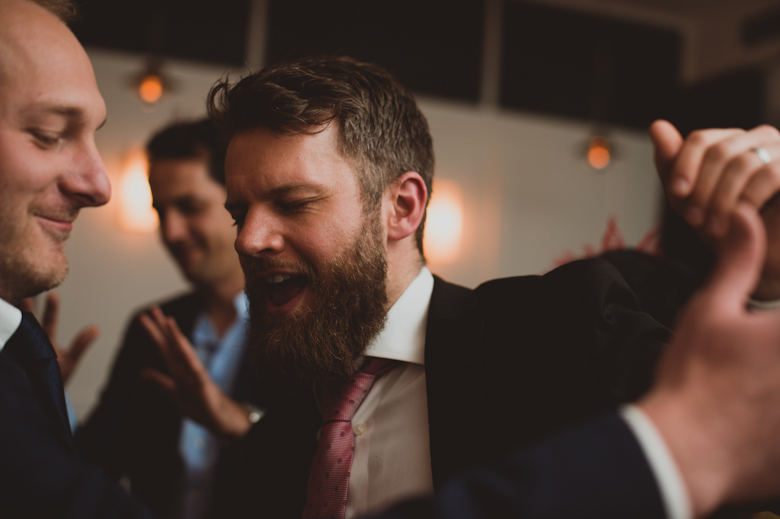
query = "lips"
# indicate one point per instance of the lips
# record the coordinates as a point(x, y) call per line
point(59, 225)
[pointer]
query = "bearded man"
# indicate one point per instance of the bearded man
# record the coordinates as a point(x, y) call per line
point(414, 379)
point(328, 173)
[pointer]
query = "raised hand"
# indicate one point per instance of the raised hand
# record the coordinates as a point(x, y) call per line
point(189, 384)
point(716, 399)
point(68, 359)
point(707, 174)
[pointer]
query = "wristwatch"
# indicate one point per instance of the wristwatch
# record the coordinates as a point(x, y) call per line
point(253, 413)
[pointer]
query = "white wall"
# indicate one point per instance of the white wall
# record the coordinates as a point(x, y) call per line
point(529, 198)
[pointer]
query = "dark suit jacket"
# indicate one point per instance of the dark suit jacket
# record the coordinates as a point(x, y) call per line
point(40, 473)
point(134, 431)
point(595, 471)
point(507, 364)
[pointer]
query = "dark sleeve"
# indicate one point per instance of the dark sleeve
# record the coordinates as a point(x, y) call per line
point(596, 470)
point(134, 431)
point(265, 473)
point(624, 341)
point(662, 285)
point(119, 422)
point(38, 478)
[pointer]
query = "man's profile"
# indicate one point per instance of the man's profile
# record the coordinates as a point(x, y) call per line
point(50, 109)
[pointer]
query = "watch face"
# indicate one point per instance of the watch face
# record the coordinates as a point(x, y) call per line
point(254, 414)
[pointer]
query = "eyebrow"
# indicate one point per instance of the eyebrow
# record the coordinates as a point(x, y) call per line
point(66, 111)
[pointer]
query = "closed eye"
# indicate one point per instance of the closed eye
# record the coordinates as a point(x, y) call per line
point(297, 205)
point(238, 218)
point(46, 140)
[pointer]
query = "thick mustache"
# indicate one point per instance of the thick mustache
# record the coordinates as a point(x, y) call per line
point(258, 268)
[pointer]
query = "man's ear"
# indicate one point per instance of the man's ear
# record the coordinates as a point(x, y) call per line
point(405, 201)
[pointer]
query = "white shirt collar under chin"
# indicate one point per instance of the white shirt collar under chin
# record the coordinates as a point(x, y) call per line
point(403, 337)
point(10, 318)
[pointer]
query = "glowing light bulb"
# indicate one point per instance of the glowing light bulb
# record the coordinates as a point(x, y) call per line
point(444, 223)
point(151, 88)
point(599, 154)
point(135, 198)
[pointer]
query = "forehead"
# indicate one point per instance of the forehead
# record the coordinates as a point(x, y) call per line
point(43, 68)
point(260, 162)
point(179, 177)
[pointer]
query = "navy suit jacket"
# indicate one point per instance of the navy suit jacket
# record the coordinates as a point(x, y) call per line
point(595, 471)
point(507, 364)
point(40, 473)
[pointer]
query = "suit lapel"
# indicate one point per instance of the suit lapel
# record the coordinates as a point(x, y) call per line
point(60, 426)
point(453, 377)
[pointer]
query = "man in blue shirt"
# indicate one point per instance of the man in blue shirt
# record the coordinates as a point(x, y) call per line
point(136, 432)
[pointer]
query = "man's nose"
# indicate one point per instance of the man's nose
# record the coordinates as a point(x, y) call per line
point(173, 227)
point(259, 235)
point(87, 181)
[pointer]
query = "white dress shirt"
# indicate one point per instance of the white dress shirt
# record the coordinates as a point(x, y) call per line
point(392, 459)
point(670, 482)
point(221, 356)
point(10, 319)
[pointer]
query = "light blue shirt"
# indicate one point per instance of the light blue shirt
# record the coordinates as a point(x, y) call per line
point(199, 449)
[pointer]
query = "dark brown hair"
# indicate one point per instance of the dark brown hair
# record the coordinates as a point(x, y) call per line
point(381, 129)
point(199, 139)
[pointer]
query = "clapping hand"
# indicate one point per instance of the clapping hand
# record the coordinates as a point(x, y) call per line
point(188, 383)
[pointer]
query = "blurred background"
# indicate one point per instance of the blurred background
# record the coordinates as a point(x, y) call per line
point(538, 110)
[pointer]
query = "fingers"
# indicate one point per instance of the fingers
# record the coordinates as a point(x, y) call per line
point(685, 175)
point(724, 169)
point(154, 331)
point(727, 169)
point(174, 346)
point(667, 143)
point(735, 178)
point(51, 314)
point(740, 260)
point(184, 350)
point(82, 342)
point(765, 184)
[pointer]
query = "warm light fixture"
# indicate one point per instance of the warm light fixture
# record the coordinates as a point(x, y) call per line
point(599, 153)
point(151, 88)
point(444, 224)
point(151, 84)
point(134, 196)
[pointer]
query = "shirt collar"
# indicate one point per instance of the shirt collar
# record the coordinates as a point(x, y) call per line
point(242, 305)
point(203, 332)
point(10, 318)
point(403, 337)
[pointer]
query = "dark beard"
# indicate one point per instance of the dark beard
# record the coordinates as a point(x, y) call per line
point(349, 299)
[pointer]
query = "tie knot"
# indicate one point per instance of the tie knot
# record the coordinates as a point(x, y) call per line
point(341, 400)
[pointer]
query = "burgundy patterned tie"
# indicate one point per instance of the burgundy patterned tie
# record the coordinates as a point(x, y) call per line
point(326, 495)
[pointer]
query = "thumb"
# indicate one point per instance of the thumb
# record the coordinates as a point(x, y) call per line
point(667, 143)
point(741, 254)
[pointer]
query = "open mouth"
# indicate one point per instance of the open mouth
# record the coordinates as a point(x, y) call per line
point(283, 288)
